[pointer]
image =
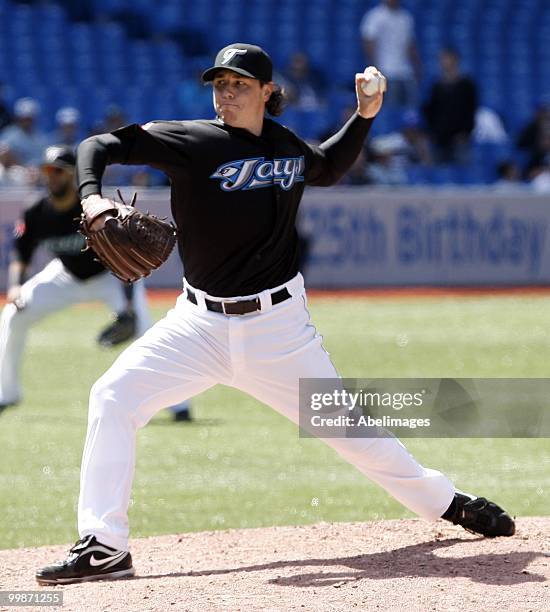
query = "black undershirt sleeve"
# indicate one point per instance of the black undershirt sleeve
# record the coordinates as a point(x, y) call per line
point(328, 162)
point(132, 144)
point(93, 156)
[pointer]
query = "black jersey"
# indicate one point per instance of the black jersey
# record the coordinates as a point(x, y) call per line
point(43, 225)
point(234, 195)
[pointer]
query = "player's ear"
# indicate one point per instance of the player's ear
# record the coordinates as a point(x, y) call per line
point(268, 90)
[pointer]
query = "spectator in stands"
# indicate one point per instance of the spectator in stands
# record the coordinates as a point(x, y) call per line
point(25, 141)
point(389, 41)
point(535, 135)
point(540, 179)
point(538, 172)
point(5, 115)
point(450, 111)
point(13, 174)
point(384, 168)
point(305, 85)
point(509, 177)
point(144, 176)
point(412, 142)
point(395, 154)
point(68, 131)
point(116, 174)
point(489, 128)
point(113, 119)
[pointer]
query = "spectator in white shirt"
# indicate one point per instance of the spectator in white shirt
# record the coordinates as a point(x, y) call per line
point(388, 37)
point(11, 173)
point(68, 130)
point(24, 139)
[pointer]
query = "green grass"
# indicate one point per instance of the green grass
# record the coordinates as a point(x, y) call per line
point(241, 464)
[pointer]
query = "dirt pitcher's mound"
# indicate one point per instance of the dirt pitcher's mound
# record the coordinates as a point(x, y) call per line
point(387, 565)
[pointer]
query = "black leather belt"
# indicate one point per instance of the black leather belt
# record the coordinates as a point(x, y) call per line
point(239, 307)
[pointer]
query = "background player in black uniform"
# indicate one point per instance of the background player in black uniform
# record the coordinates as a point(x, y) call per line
point(236, 183)
point(72, 276)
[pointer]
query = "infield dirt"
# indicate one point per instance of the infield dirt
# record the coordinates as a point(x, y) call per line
point(384, 565)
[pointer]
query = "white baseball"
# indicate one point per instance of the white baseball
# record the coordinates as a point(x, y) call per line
point(374, 83)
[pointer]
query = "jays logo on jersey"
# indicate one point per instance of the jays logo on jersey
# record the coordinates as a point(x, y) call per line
point(256, 172)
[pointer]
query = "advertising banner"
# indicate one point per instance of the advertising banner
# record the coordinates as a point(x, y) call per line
point(363, 237)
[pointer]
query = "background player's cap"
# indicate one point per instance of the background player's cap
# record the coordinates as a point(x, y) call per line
point(68, 115)
point(59, 156)
point(248, 60)
point(26, 107)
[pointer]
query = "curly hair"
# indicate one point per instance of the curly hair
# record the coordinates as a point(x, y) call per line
point(277, 101)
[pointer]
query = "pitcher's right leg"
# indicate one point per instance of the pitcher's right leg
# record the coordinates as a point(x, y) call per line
point(177, 358)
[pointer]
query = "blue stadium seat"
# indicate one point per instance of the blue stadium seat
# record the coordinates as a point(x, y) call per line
point(201, 14)
point(490, 154)
point(474, 174)
point(110, 7)
point(168, 18)
point(444, 175)
point(418, 175)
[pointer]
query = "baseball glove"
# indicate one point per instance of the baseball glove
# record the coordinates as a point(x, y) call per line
point(131, 244)
point(123, 328)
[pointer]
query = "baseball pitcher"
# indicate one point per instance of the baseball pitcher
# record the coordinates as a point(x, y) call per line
point(242, 318)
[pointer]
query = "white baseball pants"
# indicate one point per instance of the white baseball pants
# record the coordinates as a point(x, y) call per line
point(52, 289)
point(192, 349)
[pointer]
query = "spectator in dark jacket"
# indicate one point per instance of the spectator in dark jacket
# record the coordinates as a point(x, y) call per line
point(450, 111)
point(534, 138)
point(305, 85)
point(5, 115)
